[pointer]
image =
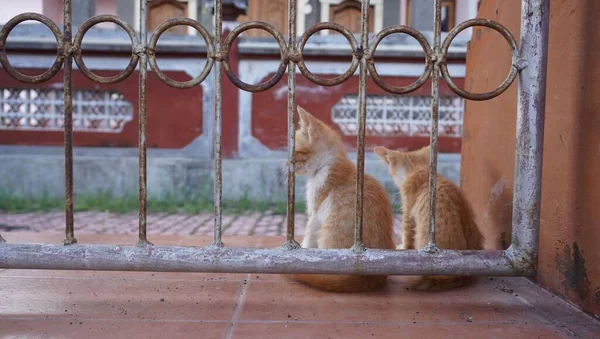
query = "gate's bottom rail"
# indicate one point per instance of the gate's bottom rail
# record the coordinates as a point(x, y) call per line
point(254, 260)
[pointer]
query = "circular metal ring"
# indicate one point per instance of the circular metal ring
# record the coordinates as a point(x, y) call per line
point(31, 79)
point(513, 48)
point(79, 56)
point(152, 48)
point(282, 51)
point(421, 39)
point(353, 44)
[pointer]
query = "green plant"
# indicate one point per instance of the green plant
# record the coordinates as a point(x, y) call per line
point(103, 202)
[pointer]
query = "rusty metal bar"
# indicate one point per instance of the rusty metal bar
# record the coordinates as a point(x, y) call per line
point(362, 121)
point(217, 241)
point(530, 132)
point(68, 122)
point(142, 165)
point(433, 136)
point(514, 49)
point(245, 260)
point(291, 243)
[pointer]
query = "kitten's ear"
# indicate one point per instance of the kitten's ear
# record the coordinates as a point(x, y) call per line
point(383, 154)
point(305, 117)
point(424, 152)
point(309, 123)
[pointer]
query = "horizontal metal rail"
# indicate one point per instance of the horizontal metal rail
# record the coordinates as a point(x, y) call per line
point(242, 260)
point(528, 62)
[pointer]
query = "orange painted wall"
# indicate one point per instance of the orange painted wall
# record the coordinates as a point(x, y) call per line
point(569, 255)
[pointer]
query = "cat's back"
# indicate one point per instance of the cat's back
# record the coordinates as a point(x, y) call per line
point(416, 186)
point(454, 215)
point(378, 215)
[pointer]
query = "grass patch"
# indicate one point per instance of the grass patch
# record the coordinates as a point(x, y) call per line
point(106, 203)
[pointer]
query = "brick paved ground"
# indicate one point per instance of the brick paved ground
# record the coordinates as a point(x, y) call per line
point(250, 223)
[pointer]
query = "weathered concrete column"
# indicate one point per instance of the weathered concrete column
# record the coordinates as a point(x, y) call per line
point(82, 10)
point(421, 15)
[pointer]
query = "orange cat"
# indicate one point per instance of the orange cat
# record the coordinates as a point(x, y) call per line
point(331, 201)
point(455, 222)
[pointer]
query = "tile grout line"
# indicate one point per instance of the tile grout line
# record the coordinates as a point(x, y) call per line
point(543, 314)
point(239, 303)
point(256, 222)
point(550, 321)
point(201, 223)
point(238, 307)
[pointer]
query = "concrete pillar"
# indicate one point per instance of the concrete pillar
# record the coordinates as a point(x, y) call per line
point(421, 15)
point(82, 10)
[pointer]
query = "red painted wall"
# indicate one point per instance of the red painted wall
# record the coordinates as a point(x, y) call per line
point(269, 109)
point(174, 116)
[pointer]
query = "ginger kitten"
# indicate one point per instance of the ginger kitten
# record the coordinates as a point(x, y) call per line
point(331, 203)
point(456, 227)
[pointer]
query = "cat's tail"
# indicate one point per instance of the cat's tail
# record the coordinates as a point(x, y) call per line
point(432, 283)
point(344, 283)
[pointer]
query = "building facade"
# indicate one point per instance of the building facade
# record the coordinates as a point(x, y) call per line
point(180, 121)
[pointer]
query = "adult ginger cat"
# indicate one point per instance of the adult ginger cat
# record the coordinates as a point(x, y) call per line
point(455, 222)
point(331, 203)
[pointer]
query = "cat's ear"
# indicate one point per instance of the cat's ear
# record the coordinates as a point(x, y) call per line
point(424, 153)
point(309, 123)
point(383, 154)
point(305, 117)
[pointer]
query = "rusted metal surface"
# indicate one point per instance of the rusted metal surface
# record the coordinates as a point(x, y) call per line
point(89, 23)
point(218, 241)
point(357, 54)
point(60, 55)
point(245, 260)
point(68, 124)
point(362, 121)
point(519, 259)
point(437, 58)
point(151, 50)
point(512, 43)
point(530, 133)
point(290, 242)
point(140, 51)
point(421, 39)
point(282, 63)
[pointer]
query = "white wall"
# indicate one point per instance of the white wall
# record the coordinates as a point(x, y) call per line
point(11, 8)
point(466, 10)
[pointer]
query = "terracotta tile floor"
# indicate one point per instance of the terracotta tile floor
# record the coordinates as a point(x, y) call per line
point(62, 304)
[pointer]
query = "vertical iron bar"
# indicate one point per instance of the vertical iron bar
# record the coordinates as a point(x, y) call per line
point(68, 122)
point(362, 118)
point(142, 166)
point(433, 136)
point(217, 241)
point(291, 108)
point(530, 130)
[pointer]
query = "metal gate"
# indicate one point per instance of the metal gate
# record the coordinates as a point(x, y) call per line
point(528, 63)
